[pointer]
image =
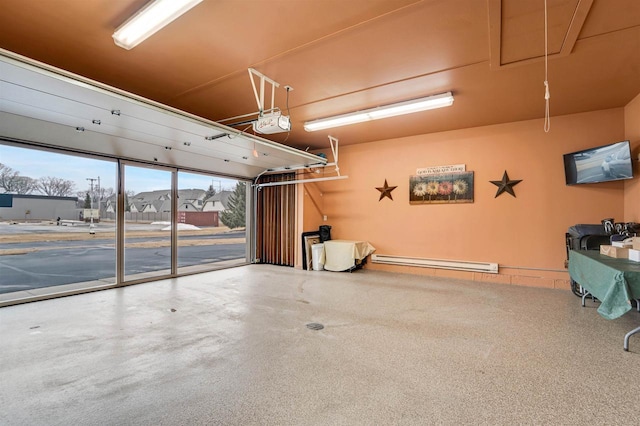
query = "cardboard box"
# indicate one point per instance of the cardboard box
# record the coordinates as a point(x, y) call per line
point(618, 252)
point(636, 243)
point(634, 255)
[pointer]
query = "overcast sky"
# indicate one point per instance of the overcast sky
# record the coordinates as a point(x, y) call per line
point(36, 164)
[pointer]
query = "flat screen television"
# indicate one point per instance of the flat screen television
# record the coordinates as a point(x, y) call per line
point(599, 164)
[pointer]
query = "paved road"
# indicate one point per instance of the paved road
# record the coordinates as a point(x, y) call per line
point(100, 239)
point(78, 261)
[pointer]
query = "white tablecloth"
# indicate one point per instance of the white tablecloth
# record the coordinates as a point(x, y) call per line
point(342, 255)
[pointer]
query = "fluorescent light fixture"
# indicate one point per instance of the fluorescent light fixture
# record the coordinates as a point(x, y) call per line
point(150, 19)
point(407, 107)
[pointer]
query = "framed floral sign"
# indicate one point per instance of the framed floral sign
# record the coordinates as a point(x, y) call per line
point(441, 188)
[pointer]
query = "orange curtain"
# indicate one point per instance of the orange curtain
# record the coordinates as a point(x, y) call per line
point(276, 221)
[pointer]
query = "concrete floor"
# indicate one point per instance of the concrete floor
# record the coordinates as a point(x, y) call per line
point(232, 348)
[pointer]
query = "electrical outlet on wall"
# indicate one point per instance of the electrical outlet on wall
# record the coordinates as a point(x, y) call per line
point(324, 217)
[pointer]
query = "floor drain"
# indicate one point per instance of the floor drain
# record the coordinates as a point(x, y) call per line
point(315, 326)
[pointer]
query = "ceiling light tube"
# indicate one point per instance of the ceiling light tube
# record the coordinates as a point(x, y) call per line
point(392, 110)
point(151, 18)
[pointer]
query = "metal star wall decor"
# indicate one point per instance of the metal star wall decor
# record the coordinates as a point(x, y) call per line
point(505, 185)
point(385, 191)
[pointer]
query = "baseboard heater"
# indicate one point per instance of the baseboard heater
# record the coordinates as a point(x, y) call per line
point(457, 265)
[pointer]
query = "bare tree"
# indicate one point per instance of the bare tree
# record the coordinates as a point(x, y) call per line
point(7, 174)
point(103, 194)
point(12, 182)
point(24, 185)
point(55, 187)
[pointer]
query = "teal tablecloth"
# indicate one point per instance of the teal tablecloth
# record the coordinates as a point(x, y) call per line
point(613, 281)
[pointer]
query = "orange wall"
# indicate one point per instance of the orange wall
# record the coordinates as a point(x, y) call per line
point(524, 235)
point(632, 187)
point(313, 206)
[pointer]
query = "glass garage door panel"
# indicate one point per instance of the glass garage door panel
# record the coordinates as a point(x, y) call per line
point(57, 227)
point(205, 241)
point(147, 229)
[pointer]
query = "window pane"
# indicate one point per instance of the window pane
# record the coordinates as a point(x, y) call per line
point(48, 242)
point(147, 244)
point(204, 240)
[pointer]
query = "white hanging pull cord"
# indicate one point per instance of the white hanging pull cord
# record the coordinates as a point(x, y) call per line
point(547, 95)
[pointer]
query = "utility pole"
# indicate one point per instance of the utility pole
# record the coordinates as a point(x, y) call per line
point(99, 194)
point(91, 228)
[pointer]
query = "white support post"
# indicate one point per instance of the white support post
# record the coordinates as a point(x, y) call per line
point(260, 97)
point(273, 96)
point(334, 150)
point(255, 92)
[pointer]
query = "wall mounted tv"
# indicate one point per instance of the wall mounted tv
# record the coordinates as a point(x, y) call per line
point(599, 164)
